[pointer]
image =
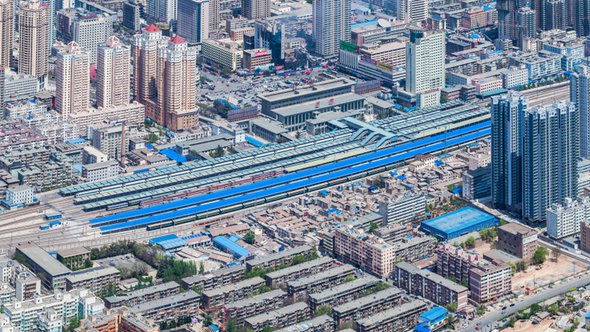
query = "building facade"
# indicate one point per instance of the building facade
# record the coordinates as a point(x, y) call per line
point(507, 112)
point(72, 80)
point(518, 240)
point(331, 24)
point(6, 31)
point(550, 158)
point(33, 27)
point(564, 220)
point(193, 20)
point(425, 63)
point(113, 81)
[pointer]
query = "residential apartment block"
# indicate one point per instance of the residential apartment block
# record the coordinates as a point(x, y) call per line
point(518, 240)
point(148, 294)
point(230, 293)
point(342, 293)
point(279, 318)
point(280, 277)
point(429, 285)
point(98, 280)
point(367, 305)
point(399, 318)
point(215, 279)
point(279, 258)
point(169, 308)
point(251, 306)
point(314, 283)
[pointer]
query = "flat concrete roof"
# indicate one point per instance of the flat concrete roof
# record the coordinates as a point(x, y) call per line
point(304, 90)
point(42, 258)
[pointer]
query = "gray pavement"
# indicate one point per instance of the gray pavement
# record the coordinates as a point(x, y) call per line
point(490, 320)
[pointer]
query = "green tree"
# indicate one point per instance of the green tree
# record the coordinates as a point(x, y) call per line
point(470, 242)
point(152, 138)
point(323, 310)
point(481, 310)
point(540, 255)
point(349, 278)
point(250, 237)
point(207, 320)
point(373, 227)
point(73, 324)
point(452, 307)
point(201, 268)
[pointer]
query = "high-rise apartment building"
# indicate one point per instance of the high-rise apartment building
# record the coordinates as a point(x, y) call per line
point(193, 20)
point(425, 66)
point(580, 96)
point(164, 77)
point(33, 30)
point(506, 163)
point(581, 17)
point(162, 10)
point(86, 28)
point(550, 151)
point(145, 55)
point(507, 10)
point(6, 31)
point(112, 75)
point(555, 14)
point(526, 25)
point(412, 11)
point(72, 80)
point(255, 9)
point(331, 24)
point(214, 15)
point(176, 87)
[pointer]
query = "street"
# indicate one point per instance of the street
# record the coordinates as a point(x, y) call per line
point(490, 320)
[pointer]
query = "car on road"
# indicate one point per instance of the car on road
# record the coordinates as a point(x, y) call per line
point(512, 304)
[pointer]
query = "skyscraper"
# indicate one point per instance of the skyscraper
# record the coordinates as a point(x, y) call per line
point(526, 25)
point(580, 96)
point(72, 80)
point(507, 111)
point(425, 66)
point(581, 17)
point(331, 24)
point(164, 77)
point(112, 75)
point(507, 18)
point(270, 34)
point(412, 11)
point(145, 55)
point(176, 85)
point(214, 15)
point(91, 29)
point(6, 31)
point(193, 20)
point(555, 14)
point(255, 9)
point(33, 38)
point(162, 10)
point(550, 158)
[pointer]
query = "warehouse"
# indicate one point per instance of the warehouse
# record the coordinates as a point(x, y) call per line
point(457, 223)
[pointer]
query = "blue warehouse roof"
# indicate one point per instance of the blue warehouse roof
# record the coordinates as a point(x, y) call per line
point(434, 315)
point(460, 222)
point(228, 245)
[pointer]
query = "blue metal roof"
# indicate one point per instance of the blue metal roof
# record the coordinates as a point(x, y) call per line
point(435, 314)
point(457, 220)
point(172, 244)
point(254, 141)
point(228, 245)
point(162, 238)
point(173, 155)
point(291, 181)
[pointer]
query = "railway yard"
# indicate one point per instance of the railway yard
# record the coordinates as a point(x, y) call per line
point(174, 198)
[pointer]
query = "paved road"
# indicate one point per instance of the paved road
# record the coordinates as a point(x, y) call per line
point(494, 316)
